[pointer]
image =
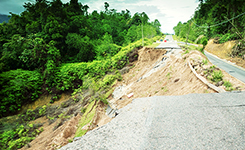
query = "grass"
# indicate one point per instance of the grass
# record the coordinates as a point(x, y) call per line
point(228, 86)
point(175, 37)
point(217, 76)
point(85, 119)
point(153, 45)
point(206, 91)
point(109, 92)
point(168, 75)
point(189, 48)
point(171, 68)
point(205, 61)
point(164, 89)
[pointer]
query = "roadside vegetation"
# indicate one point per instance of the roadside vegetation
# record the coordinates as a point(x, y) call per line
point(215, 76)
point(211, 21)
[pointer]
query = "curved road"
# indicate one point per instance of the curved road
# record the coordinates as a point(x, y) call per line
point(231, 69)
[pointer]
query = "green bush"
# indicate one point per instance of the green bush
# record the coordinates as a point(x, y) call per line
point(18, 87)
point(73, 73)
point(18, 137)
point(228, 86)
point(227, 37)
point(217, 76)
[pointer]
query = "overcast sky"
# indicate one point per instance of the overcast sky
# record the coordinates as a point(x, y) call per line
point(168, 12)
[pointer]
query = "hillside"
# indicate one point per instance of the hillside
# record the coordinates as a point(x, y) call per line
point(52, 48)
point(220, 20)
point(224, 51)
point(173, 77)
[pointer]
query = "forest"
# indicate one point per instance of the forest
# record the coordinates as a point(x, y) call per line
point(52, 46)
point(223, 20)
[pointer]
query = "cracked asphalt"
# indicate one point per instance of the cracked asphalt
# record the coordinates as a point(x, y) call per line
point(193, 121)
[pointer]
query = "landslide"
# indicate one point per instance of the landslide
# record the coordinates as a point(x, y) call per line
point(173, 77)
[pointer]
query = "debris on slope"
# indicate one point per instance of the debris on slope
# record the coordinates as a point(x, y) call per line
point(155, 72)
point(214, 75)
point(161, 72)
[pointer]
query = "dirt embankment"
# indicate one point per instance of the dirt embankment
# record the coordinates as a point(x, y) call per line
point(224, 51)
point(174, 78)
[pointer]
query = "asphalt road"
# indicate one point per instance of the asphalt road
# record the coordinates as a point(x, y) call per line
point(197, 121)
point(194, 121)
point(232, 70)
point(170, 44)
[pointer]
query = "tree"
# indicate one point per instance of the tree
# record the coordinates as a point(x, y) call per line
point(106, 6)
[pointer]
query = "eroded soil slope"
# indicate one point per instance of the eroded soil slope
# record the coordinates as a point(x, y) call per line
point(173, 78)
point(223, 51)
point(154, 73)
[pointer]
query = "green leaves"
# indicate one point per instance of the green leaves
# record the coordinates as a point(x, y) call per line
point(18, 137)
point(217, 76)
point(48, 34)
point(80, 48)
point(106, 49)
point(16, 87)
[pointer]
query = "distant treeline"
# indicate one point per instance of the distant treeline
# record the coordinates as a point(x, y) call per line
point(210, 20)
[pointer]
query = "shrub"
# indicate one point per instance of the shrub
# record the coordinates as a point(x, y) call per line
point(227, 37)
point(217, 76)
point(72, 75)
point(18, 137)
point(228, 86)
point(18, 87)
point(205, 61)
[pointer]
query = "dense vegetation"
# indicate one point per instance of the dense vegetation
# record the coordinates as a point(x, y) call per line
point(51, 47)
point(210, 20)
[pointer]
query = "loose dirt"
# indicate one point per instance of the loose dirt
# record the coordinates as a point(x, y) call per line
point(51, 140)
point(224, 51)
point(175, 78)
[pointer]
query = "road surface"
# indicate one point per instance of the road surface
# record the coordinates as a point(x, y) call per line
point(170, 44)
point(232, 70)
point(193, 121)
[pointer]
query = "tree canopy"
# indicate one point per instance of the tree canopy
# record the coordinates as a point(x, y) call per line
point(211, 20)
point(49, 34)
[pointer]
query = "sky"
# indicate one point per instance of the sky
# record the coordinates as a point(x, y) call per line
point(168, 12)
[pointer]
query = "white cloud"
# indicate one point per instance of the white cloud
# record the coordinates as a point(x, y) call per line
point(168, 12)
